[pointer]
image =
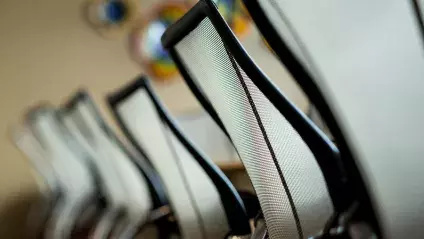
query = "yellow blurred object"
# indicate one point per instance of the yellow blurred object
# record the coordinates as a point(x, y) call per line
point(240, 25)
point(162, 72)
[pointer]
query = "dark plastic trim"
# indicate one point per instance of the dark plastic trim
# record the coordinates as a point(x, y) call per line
point(177, 31)
point(153, 180)
point(325, 152)
point(233, 205)
point(308, 85)
point(419, 16)
point(122, 94)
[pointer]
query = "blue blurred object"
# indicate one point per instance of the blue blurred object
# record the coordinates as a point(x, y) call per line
point(116, 11)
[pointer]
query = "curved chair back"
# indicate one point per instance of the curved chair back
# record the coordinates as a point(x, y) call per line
point(72, 171)
point(295, 170)
point(131, 187)
point(42, 208)
point(351, 61)
point(113, 193)
point(26, 142)
point(82, 101)
point(203, 200)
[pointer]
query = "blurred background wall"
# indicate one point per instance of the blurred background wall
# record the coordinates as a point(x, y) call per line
point(46, 53)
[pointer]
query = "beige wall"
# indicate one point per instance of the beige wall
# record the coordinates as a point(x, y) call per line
point(46, 53)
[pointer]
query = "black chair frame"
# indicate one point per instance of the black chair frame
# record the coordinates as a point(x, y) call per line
point(232, 203)
point(306, 82)
point(156, 189)
point(324, 150)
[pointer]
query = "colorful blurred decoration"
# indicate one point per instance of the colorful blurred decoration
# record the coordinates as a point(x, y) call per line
point(146, 47)
point(110, 17)
point(235, 14)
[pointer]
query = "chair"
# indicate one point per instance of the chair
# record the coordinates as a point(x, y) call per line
point(114, 194)
point(294, 168)
point(351, 61)
point(204, 202)
point(136, 182)
point(40, 211)
point(72, 171)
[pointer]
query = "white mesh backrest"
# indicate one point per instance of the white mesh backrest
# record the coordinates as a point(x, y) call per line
point(137, 196)
point(194, 199)
point(40, 210)
point(31, 148)
point(295, 201)
point(100, 159)
point(205, 193)
point(72, 172)
point(113, 191)
point(370, 59)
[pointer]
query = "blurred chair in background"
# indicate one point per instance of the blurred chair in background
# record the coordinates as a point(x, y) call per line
point(142, 187)
point(79, 191)
point(41, 209)
point(204, 202)
point(113, 192)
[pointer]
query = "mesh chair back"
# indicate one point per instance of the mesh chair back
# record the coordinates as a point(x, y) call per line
point(31, 148)
point(132, 185)
point(276, 142)
point(351, 68)
point(72, 171)
point(39, 211)
point(113, 193)
point(203, 200)
point(84, 113)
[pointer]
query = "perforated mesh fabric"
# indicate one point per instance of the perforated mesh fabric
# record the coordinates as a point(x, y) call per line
point(31, 148)
point(78, 188)
point(113, 189)
point(206, 195)
point(290, 186)
point(194, 199)
point(137, 202)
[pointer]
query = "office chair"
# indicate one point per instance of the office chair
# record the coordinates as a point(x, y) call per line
point(114, 194)
point(361, 66)
point(137, 182)
point(295, 170)
point(78, 189)
point(157, 192)
point(204, 202)
point(40, 210)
